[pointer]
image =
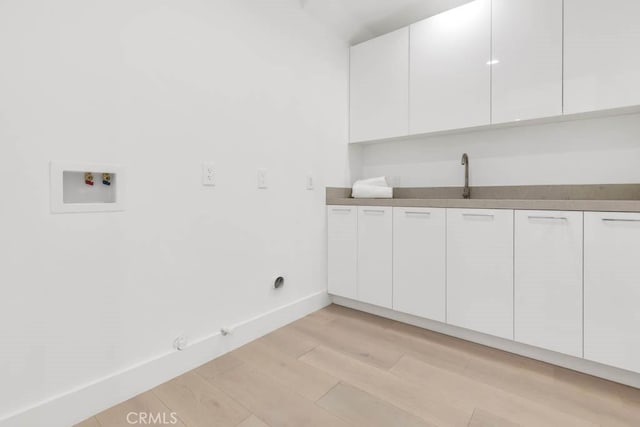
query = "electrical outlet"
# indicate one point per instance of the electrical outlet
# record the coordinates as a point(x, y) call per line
point(262, 178)
point(208, 175)
point(309, 182)
point(180, 343)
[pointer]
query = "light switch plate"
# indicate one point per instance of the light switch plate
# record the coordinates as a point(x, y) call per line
point(208, 175)
point(262, 178)
point(309, 181)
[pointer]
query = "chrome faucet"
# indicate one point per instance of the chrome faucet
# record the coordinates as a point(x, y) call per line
point(466, 193)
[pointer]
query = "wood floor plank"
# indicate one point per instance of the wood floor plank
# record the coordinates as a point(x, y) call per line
point(253, 421)
point(508, 406)
point(276, 405)
point(424, 402)
point(290, 341)
point(306, 380)
point(362, 346)
point(89, 422)
point(596, 386)
point(362, 409)
point(220, 365)
point(143, 405)
point(199, 403)
point(483, 418)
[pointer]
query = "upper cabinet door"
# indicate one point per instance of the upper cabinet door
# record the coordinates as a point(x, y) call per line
point(527, 59)
point(450, 75)
point(601, 54)
point(379, 87)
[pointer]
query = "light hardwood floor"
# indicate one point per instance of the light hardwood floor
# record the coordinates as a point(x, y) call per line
point(341, 367)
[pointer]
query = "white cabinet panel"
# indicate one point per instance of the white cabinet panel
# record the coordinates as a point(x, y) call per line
point(450, 76)
point(375, 262)
point(342, 250)
point(379, 87)
point(612, 289)
point(601, 54)
point(480, 270)
point(419, 263)
point(548, 280)
point(527, 59)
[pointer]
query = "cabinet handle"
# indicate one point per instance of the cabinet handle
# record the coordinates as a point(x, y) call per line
point(478, 215)
point(341, 209)
point(555, 218)
point(620, 220)
point(417, 213)
point(380, 211)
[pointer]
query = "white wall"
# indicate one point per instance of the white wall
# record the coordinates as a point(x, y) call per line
point(593, 151)
point(158, 86)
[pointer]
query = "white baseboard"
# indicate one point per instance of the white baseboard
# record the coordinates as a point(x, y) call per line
point(75, 405)
point(570, 362)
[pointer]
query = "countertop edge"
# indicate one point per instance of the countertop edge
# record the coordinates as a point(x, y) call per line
point(560, 205)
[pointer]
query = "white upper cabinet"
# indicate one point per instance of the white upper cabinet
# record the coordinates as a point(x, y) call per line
point(379, 87)
point(419, 263)
point(342, 250)
point(548, 280)
point(480, 270)
point(527, 59)
point(450, 74)
point(612, 289)
point(375, 256)
point(601, 54)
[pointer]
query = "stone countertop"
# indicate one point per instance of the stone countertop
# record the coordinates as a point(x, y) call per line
point(602, 198)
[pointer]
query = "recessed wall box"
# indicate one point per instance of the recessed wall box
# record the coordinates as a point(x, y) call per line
point(86, 187)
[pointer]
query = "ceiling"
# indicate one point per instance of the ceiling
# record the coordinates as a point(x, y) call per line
point(360, 20)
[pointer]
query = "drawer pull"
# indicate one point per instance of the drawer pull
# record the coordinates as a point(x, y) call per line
point(554, 218)
point(341, 209)
point(620, 220)
point(472, 215)
point(417, 213)
point(378, 211)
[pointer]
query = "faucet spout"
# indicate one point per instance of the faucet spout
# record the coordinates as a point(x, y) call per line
point(466, 193)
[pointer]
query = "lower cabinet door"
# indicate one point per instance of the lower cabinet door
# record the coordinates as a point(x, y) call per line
point(612, 289)
point(480, 270)
point(342, 246)
point(419, 263)
point(375, 231)
point(548, 280)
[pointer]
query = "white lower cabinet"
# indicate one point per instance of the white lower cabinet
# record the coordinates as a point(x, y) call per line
point(419, 262)
point(548, 280)
point(480, 270)
point(342, 256)
point(375, 245)
point(563, 281)
point(612, 289)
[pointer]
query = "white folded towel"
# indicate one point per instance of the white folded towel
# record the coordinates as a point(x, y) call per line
point(371, 192)
point(372, 188)
point(380, 181)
